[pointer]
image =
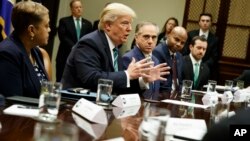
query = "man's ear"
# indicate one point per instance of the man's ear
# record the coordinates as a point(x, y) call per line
point(107, 26)
point(190, 46)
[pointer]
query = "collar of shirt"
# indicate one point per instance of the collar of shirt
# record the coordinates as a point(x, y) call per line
point(171, 53)
point(75, 20)
point(203, 33)
point(111, 46)
point(193, 60)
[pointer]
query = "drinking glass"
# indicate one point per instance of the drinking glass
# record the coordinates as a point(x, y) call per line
point(211, 87)
point(104, 90)
point(186, 94)
point(49, 101)
point(55, 132)
point(240, 84)
point(154, 123)
point(219, 111)
point(228, 85)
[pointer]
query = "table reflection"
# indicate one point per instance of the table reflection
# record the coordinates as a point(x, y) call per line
point(124, 124)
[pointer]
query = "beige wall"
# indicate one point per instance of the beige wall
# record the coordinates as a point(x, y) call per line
point(151, 10)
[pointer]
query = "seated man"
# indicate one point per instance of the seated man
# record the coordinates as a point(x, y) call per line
point(145, 41)
point(193, 67)
point(169, 52)
point(96, 56)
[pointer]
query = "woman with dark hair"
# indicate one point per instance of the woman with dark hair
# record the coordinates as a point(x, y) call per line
point(167, 28)
point(22, 62)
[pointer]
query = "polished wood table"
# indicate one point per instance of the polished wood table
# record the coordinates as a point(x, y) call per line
point(16, 128)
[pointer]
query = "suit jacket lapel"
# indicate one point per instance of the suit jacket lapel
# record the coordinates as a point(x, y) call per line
point(73, 27)
point(138, 54)
point(107, 51)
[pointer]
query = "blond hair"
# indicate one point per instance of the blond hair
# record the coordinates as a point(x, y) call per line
point(25, 13)
point(112, 11)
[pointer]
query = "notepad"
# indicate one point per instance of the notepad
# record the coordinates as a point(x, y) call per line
point(183, 128)
point(21, 110)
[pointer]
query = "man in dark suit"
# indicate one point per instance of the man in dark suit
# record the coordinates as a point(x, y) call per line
point(212, 54)
point(70, 30)
point(193, 67)
point(145, 41)
point(221, 130)
point(245, 76)
point(167, 52)
point(96, 56)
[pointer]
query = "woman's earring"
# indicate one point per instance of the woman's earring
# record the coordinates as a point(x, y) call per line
point(32, 38)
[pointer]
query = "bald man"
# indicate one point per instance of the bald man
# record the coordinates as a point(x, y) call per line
point(169, 51)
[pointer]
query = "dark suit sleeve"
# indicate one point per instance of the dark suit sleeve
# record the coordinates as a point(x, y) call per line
point(245, 76)
point(64, 35)
point(126, 61)
point(86, 27)
point(90, 67)
point(11, 76)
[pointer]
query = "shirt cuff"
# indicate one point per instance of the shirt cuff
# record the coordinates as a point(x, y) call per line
point(128, 80)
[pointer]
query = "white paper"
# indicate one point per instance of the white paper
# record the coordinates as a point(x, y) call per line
point(241, 95)
point(222, 88)
point(188, 128)
point(125, 112)
point(177, 102)
point(196, 91)
point(94, 129)
point(227, 97)
point(127, 100)
point(90, 111)
point(210, 98)
point(21, 110)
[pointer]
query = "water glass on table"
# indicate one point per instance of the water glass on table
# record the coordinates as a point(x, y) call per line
point(240, 84)
point(228, 85)
point(186, 94)
point(219, 111)
point(154, 123)
point(211, 87)
point(56, 132)
point(104, 90)
point(49, 101)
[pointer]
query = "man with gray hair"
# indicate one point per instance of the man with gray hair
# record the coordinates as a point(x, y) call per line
point(145, 41)
point(96, 56)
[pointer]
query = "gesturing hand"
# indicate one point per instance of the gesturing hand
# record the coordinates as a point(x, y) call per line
point(156, 73)
point(137, 69)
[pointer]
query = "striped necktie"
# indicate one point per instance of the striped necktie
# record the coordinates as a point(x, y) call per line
point(78, 28)
point(115, 53)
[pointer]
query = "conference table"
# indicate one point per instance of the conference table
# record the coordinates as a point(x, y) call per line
point(18, 128)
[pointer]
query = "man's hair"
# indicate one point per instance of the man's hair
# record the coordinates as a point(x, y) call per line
point(206, 14)
point(197, 38)
point(72, 2)
point(25, 13)
point(112, 11)
point(143, 23)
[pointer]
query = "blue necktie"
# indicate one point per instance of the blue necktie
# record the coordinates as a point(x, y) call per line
point(115, 53)
point(78, 28)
